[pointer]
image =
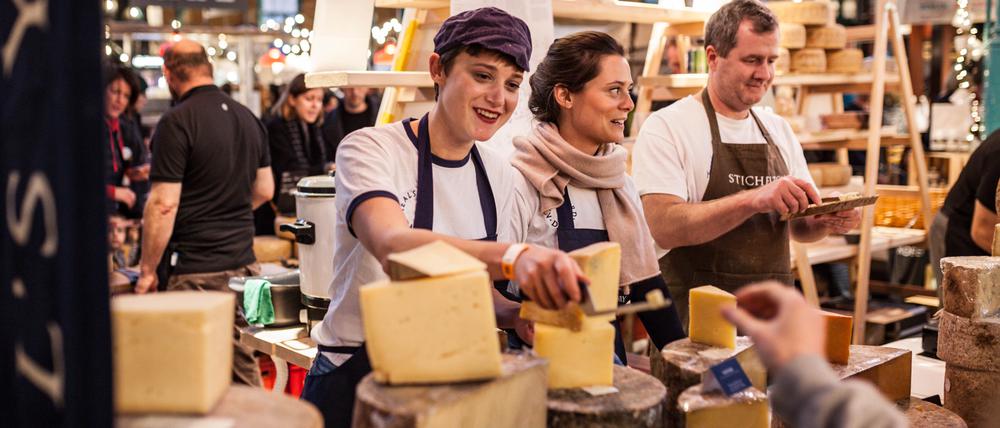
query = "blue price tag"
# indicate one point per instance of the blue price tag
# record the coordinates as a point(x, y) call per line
point(730, 377)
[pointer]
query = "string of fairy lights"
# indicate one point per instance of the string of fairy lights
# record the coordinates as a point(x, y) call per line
point(969, 48)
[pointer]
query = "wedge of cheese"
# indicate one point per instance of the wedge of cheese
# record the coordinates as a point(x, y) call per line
point(577, 358)
point(746, 409)
point(707, 325)
point(838, 337)
point(173, 351)
point(601, 264)
point(431, 330)
point(435, 259)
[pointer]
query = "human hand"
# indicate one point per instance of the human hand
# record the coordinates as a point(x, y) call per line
point(525, 330)
point(147, 283)
point(125, 196)
point(138, 173)
point(784, 195)
point(549, 277)
point(780, 322)
point(842, 221)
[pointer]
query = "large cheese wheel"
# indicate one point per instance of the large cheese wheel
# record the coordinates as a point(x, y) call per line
point(829, 174)
point(828, 37)
point(793, 36)
point(807, 12)
point(271, 248)
point(848, 61)
point(809, 61)
point(783, 65)
point(973, 395)
point(971, 286)
point(974, 345)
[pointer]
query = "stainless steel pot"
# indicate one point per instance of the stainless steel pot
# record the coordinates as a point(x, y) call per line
point(285, 296)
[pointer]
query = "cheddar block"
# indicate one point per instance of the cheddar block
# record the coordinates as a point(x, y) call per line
point(706, 322)
point(435, 259)
point(809, 60)
point(793, 36)
point(973, 395)
point(570, 317)
point(806, 12)
point(847, 61)
point(269, 249)
point(577, 358)
point(431, 330)
point(173, 351)
point(700, 409)
point(601, 264)
point(888, 369)
point(966, 343)
point(838, 337)
point(827, 37)
point(971, 287)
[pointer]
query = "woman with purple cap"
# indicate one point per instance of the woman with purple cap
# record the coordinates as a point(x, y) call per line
point(573, 190)
point(409, 183)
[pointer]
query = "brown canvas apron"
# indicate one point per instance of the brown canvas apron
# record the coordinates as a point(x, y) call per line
point(755, 250)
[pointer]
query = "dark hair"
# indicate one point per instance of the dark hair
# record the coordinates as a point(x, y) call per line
point(114, 71)
point(724, 24)
point(295, 88)
point(183, 64)
point(572, 61)
point(448, 58)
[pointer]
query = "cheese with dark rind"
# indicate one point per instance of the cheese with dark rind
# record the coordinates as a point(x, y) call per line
point(971, 286)
point(965, 343)
point(973, 394)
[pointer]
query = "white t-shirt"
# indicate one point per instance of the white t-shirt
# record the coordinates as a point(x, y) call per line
point(382, 161)
point(673, 151)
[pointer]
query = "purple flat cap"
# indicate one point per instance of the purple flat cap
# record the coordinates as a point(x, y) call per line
point(490, 28)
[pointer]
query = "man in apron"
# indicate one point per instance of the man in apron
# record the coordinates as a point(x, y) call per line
point(715, 175)
point(412, 182)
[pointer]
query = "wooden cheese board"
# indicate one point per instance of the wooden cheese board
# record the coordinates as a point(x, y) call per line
point(832, 205)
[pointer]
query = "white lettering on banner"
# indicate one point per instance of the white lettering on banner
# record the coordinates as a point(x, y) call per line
point(50, 383)
point(28, 14)
point(751, 181)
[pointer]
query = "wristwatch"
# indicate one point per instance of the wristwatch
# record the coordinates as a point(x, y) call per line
point(510, 257)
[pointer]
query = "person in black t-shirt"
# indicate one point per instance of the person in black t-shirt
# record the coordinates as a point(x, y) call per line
point(358, 109)
point(211, 168)
point(965, 224)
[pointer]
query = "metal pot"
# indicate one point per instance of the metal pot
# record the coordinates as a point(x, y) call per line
point(285, 296)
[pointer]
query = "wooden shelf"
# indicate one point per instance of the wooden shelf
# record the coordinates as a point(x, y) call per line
point(815, 82)
point(372, 79)
point(835, 248)
point(617, 11)
point(849, 139)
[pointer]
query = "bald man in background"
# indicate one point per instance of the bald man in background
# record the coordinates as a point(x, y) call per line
point(211, 169)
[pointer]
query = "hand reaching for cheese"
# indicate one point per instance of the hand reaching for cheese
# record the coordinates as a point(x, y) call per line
point(549, 277)
point(784, 195)
point(783, 326)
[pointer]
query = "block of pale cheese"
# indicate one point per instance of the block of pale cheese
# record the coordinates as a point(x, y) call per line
point(806, 12)
point(793, 36)
point(973, 395)
point(971, 287)
point(847, 61)
point(810, 60)
point(172, 352)
point(431, 330)
point(437, 258)
point(832, 36)
point(682, 363)
point(746, 409)
point(269, 249)
point(601, 264)
point(966, 343)
point(783, 65)
point(577, 358)
point(888, 369)
point(838, 337)
point(514, 399)
point(706, 322)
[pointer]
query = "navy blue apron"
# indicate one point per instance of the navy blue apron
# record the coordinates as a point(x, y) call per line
point(334, 392)
point(663, 325)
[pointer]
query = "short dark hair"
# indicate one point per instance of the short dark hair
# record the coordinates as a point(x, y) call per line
point(724, 24)
point(448, 58)
point(184, 65)
point(113, 71)
point(571, 61)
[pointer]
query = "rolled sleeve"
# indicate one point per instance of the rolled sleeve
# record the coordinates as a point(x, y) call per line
point(364, 172)
point(657, 165)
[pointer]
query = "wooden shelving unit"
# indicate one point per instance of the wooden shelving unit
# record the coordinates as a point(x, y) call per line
point(614, 11)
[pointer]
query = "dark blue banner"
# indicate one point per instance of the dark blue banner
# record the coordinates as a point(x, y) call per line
point(55, 363)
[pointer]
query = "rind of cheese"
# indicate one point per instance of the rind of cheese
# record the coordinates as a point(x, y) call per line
point(431, 330)
point(578, 358)
point(747, 408)
point(706, 322)
point(838, 337)
point(969, 344)
point(793, 36)
point(973, 395)
point(601, 263)
point(827, 37)
point(570, 317)
point(783, 65)
point(996, 241)
point(806, 12)
point(971, 287)
point(172, 351)
point(809, 61)
point(269, 249)
point(437, 258)
point(847, 61)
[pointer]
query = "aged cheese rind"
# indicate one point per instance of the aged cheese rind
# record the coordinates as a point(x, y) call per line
point(793, 36)
point(838, 337)
point(454, 313)
point(437, 258)
point(806, 13)
point(783, 65)
point(965, 343)
point(172, 352)
point(748, 408)
point(269, 249)
point(570, 317)
point(971, 286)
point(577, 358)
point(847, 61)
point(827, 37)
point(601, 264)
point(996, 241)
point(888, 369)
point(809, 60)
point(973, 395)
point(707, 324)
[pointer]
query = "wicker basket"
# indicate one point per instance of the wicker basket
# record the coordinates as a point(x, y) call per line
point(900, 211)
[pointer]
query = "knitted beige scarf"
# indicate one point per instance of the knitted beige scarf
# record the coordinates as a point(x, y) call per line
point(550, 163)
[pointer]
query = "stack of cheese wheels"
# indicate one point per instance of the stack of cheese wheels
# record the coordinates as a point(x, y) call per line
point(847, 61)
point(817, 44)
point(805, 13)
point(793, 36)
point(810, 60)
point(826, 37)
point(969, 338)
point(784, 63)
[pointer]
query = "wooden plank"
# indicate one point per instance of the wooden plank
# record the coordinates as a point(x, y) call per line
point(816, 82)
point(654, 56)
point(371, 79)
point(804, 269)
point(590, 10)
point(865, 33)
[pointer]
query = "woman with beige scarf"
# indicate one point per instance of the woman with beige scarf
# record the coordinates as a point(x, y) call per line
point(575, 191)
